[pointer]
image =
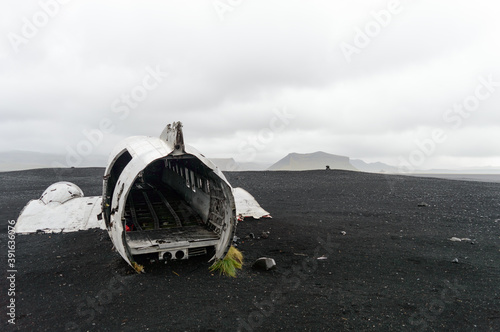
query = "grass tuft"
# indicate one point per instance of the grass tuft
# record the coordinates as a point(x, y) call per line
point(138, 267)
point(229, 264)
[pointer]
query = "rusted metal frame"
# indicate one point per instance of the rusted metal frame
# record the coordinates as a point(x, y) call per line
point(133, 213)
point(151, 209)
point(169, 207)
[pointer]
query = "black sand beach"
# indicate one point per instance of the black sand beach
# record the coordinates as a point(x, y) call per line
point(394, 268)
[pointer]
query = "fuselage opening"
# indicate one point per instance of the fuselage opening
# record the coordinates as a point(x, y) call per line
point(175, 209)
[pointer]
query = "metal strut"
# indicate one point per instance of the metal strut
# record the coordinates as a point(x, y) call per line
point(169, 207)
point(151, 209)
point(133, 213)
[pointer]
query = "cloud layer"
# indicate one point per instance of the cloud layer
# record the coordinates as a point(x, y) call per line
point(225, 68)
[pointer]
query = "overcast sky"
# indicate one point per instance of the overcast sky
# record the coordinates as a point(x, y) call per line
point(414, 82)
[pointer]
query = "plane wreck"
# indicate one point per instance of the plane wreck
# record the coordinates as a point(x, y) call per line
point(160, 198)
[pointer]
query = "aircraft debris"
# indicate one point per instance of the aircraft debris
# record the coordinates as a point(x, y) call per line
point(464, 239)
point(161, 198)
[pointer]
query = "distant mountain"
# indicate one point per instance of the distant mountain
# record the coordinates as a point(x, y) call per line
point(21, 160)
point(473, 170)
point(377, 167)
point(226, 164)
point(231, 165)
point(310, 161)
point(254, 166)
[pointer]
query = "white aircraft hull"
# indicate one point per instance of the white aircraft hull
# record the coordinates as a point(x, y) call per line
point(160, 197)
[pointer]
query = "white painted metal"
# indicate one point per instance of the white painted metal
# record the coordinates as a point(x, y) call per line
point(73, 215)
point(247, 206)
point(62, 207)
point(81, 213)
point(61, 192)
point(143, 151)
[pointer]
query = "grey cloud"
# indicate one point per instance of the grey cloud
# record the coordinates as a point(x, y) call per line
point(226, 77)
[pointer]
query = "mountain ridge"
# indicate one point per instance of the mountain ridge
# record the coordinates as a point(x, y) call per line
point(21, 160)
point(309, 161)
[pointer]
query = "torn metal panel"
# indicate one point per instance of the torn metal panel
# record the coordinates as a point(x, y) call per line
point(172, 135)
point(78, 213)
point(247, 206)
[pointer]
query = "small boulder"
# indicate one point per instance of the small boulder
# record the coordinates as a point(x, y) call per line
point(264, 263)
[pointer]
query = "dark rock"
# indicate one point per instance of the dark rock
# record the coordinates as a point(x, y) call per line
point(264, 263)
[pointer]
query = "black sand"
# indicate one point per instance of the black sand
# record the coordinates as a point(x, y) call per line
point(393, 269)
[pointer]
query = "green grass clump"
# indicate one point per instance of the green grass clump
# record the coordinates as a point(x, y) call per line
point(138, 267)
point(229, 264)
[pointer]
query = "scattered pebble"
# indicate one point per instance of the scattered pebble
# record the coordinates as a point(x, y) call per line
point(423, 204)
point(343, 232)
point(455, 261)
point(464, 239)
point(250, 236)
